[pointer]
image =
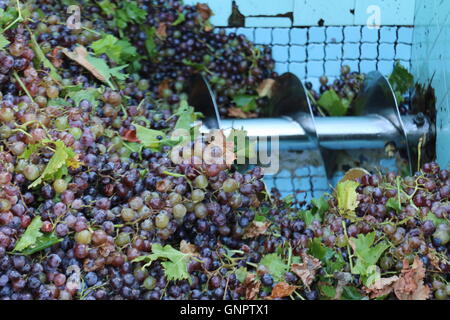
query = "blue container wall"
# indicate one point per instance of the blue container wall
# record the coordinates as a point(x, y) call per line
point(431, 59)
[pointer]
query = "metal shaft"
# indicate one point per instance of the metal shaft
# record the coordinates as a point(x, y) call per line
point(334, 133)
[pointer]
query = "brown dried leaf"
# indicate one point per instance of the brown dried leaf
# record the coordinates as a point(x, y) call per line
point(55, 57)
point(381, 287)
point(161, 32)
point(163, 86)
point(163, 185)
point(80, 54)
point(204, 10)
point(255, 229)
point(281, 290)
point(354, 174)
point(434, 260)
point(219, 150)
point(208, 27)
point(130, 136)
point(90, 265)
point(265, 89)
point(106, 249)
point(252, 286)
point(188, 248)
point(410, 285)
point(234, 112)
point(307, 269)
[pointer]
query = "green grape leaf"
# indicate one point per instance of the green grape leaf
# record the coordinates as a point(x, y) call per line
point(366, 252)
point(320, 205)
point(241, 274)
point(119, 51)
point(30, 150)
point(333, 104)
point(148, 137)
point(8, 16)
point(106, 44)
point(327, 291)
point(401, 80)
point(243, 146)
point(347, 196)
point(196, 66)
point(42, 243)
point(107, 6)
point(129, 52)
point(351, 293)
point(183, 130)
point(57, 166)
point(3, 42)
point(57, 102)
point(186, 116)
point(394, 204)
point(372, 275)
point(133, 146)
point(96, 66)
point(115, 72)
point(331, 260)
point(245, 102)
point(150, 44)
point(275, 264)
point(89, 94)
point(180, 19)
point(102, 67)
point(175, 264)
point(176, 270)
point(133, 12)
point(69, 2)
point(42, 59)
point(308, 217)
point(320, 251)
point(31, 234)
point(288, 200)
point(436, 221)
point(335, 264)
point(129, 12)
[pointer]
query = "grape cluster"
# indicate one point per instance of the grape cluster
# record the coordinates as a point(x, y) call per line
point(232, 63)
point(347, 87)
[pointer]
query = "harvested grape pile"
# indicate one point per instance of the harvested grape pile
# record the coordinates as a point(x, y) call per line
point(100, 199)
point(337, 98)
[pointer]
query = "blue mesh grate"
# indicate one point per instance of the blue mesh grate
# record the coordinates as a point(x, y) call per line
point(309, 53)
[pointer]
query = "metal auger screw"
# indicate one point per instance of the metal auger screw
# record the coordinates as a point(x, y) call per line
point(419, 120)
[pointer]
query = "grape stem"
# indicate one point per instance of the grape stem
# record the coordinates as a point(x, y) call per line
point(299, 295)
point(350, 256)
point(179, 175)
point(22, 85)
point(289, 257)
point(419, 152)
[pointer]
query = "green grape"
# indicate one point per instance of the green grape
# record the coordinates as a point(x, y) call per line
point(60, 185)
point(162, 220)
point(83, 237)
point(179, 211)
point(230, 185)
